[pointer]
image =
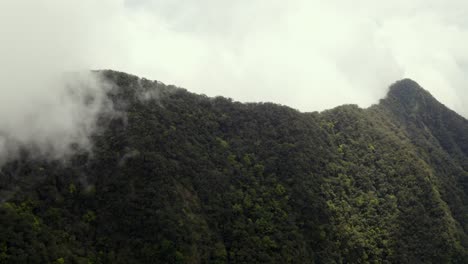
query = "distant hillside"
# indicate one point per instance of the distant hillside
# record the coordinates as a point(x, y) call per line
point(176, 177)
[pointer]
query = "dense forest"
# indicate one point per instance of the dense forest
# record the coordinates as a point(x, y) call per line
point(176, 177)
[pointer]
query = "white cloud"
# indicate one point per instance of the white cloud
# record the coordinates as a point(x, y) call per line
point(41, 107)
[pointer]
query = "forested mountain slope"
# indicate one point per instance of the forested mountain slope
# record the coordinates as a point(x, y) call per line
point(175, 177)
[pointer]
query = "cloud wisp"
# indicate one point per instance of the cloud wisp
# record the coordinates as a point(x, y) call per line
point(49, 100)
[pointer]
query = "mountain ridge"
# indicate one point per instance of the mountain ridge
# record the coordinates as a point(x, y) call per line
point(184, 178)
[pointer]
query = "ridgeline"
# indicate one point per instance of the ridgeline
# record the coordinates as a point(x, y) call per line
point(177, 177)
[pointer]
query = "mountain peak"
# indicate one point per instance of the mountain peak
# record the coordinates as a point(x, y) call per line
point(407, 89)
point(409, 94)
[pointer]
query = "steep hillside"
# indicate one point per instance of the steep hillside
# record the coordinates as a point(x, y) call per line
point(176, 177)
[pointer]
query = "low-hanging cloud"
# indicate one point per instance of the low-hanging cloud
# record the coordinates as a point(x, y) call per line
point(308, 54)
point(49, 100)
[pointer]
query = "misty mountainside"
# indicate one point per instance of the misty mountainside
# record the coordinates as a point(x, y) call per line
point(176, 177)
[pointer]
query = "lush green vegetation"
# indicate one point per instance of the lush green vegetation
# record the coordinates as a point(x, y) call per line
point(182, 178)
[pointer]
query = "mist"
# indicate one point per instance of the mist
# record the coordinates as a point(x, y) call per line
point(49, 100)
point(310, 55)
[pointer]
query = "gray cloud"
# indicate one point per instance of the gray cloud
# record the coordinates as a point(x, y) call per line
point(311, 55)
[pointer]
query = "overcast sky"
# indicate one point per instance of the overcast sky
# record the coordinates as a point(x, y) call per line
point(308, 54)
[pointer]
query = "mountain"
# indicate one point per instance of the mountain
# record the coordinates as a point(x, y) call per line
point(176, 177)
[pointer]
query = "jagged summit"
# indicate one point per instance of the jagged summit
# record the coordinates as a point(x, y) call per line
point(407, 83)
point(407, 98)
point(424, 116)
point(409, 92)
